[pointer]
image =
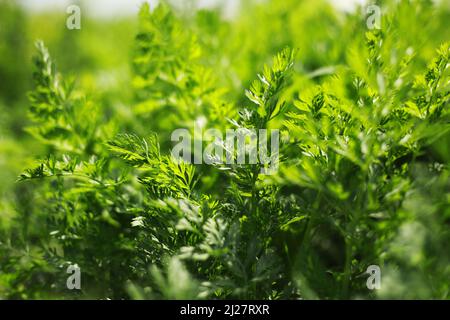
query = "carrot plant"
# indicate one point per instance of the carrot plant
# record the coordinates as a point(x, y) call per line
point(361, 173)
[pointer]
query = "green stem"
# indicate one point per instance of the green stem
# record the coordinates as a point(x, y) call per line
point(347, 268)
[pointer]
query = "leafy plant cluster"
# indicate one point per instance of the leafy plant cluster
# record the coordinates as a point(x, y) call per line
point(363, 176)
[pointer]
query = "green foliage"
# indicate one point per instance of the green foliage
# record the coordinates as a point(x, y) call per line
point(363, 174)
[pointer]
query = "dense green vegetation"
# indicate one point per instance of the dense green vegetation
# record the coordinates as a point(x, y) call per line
point(363, 179)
